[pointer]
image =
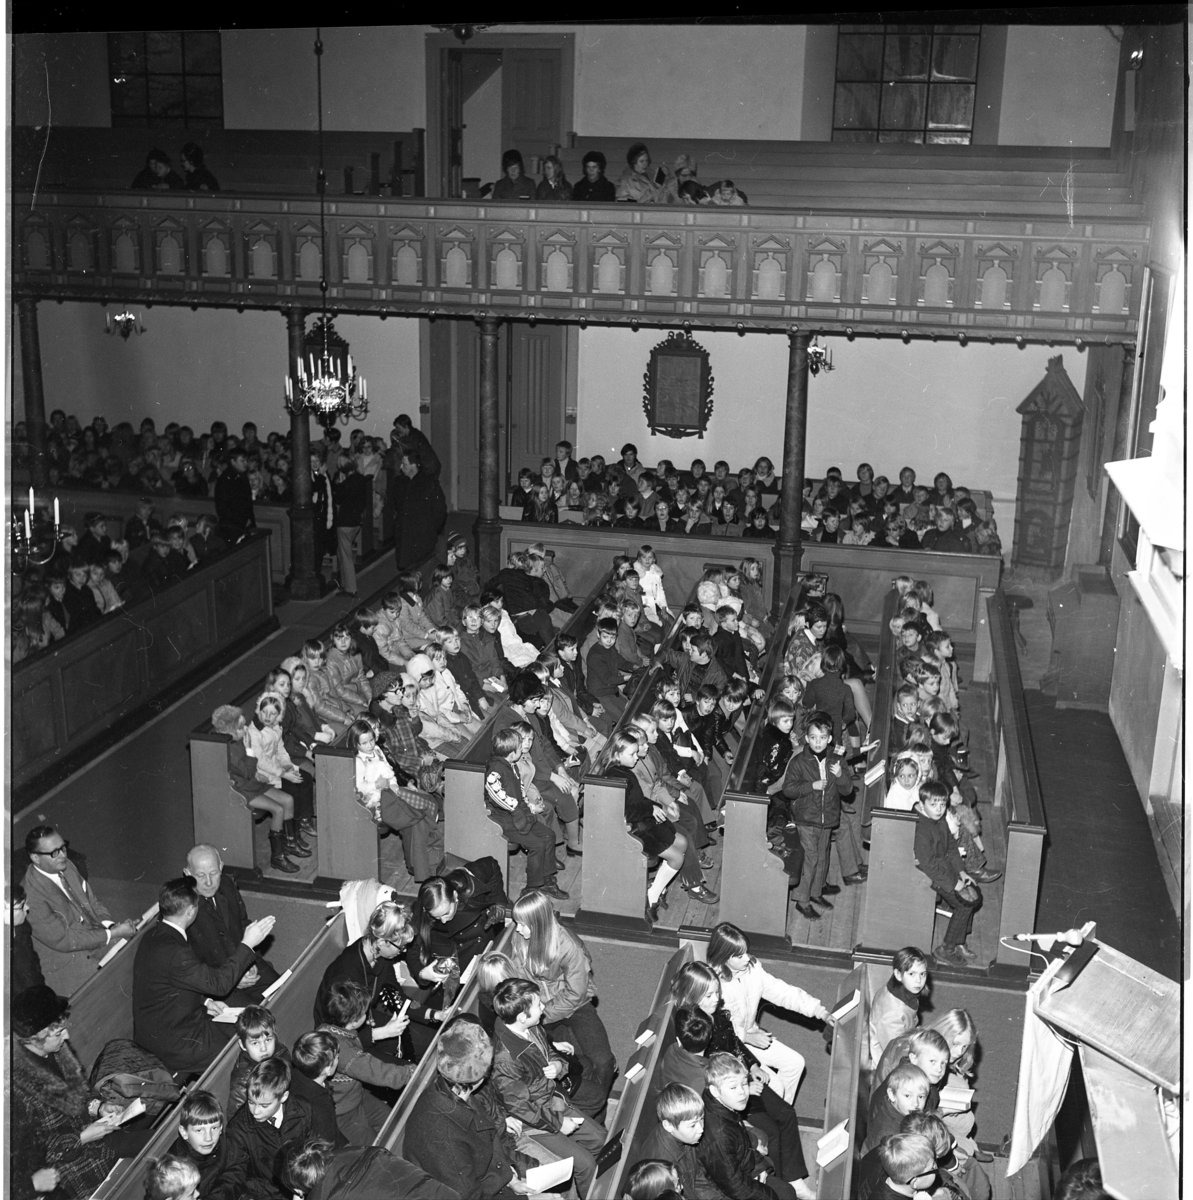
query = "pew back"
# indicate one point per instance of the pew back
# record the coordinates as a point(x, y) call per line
point(635, 1118)
point(101, 1010)
point(392, 1135)
point(1017, 801)
point(753, 881)
point(847, 1099)
point(291, 1005)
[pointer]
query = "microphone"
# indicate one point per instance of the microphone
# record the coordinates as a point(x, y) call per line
point(1069, 937)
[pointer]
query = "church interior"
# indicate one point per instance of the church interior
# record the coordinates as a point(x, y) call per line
point(954, 250)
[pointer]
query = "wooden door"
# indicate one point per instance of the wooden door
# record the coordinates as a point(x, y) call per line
point(535, 394)
point(531, 91)
point(451, 155)
point(455, 417)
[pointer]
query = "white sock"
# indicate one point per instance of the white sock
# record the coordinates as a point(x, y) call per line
point(665, 874)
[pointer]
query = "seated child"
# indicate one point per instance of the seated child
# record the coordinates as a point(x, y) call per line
point(895, 1008)
point(574, 681)
point(829, 693)
point(905, 715)
point(314, 1062)
point(359, 1113)
point(654, 595)
point(729, 648)
point(607, 667)
point(628, 646)
point(106, 595)
point(256, 1031)
point(653, 1179)
point(346, 671)
point(458, 663)
point(937, 856)
point(445, 701)
point(200, 1138)
point(907, 1163)
point(684, 1060)
point(328, 706)
point(466, 587)
point(680, 1113)
point(172, 1178)
point(961, 1181)
point(483, 651)
point(509, 807)
point(526, 1067)
point(440, 605)
point(269, 1118)
point(903, 1091)
point(940, 646)
point(777, 744)
point(496, 620)
point(903, 790)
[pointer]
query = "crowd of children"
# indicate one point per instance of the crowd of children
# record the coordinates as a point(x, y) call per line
point(746, 503)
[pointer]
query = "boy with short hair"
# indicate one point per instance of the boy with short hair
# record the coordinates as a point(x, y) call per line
point(525, 1070)
point(568, 649)
point(509, 807)
point(606, 667)
point(908, 1163)
point(256, 1030)
point(315, 1060)
point(629, 613)
point(201, 1138)
point(895, 1009)
point(269, 1119)
point(937, 855)
point(904, 1090)
point(483, 651)
point(680, 1112)
point(728, 646)
point(905, 715)
point(466, 583)
point(831, 694)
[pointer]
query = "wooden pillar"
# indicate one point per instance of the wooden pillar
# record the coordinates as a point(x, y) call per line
point(306, 581)
point(787, 549)
point(35, 397)
point(488, 527)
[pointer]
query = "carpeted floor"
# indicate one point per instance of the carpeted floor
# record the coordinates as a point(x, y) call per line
point(1100, 862)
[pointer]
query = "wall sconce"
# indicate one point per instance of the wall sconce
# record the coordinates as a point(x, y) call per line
point(125, 323)
point(849, 332)
point(906, 336)
point(963, 339)
point(819, 359)
point(583, 322)
point(634, 324)
point(1021, 342)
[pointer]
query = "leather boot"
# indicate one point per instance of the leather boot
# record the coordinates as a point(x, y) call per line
point(277, 851)
point(294, 841)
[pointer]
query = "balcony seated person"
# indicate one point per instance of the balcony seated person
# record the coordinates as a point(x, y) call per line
point(513, 184)
point(157, 174)
point(594, 188)
point(639, 185)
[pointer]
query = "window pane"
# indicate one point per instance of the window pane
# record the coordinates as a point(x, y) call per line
point(856, 106)
point(204, 97)
point(955, 58)
point(903, 105)
point(859, 57)
point(127, 53)
point(950, 139)
point(860, 28)
point(854, 135)
point(906, 56)
point(950, 106)
point(166, 97)
point(202, 48)
point(900, 135)
point(128, 98)
point(165, 51)
point(957, 28)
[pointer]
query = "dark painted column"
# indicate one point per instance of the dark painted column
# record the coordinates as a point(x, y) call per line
point(306, 582)
point(488, 527)
point(795, 436)
point(35, 397)
point(1118, 451)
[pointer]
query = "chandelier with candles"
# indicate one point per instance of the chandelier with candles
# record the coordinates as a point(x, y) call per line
point(33, 538)
point(325, 380)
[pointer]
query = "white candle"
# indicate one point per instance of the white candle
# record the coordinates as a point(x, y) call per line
point(31, 500)
point(55, 514)
point(28, 529)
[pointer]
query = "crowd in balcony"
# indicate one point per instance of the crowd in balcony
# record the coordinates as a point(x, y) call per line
point(722, 503)
point(640, 183)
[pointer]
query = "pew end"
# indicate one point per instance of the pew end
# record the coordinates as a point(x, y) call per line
point(614, 873)
point(899, 907)
point(847, 1098)
point(469, 832)
point(754, 883)
point(221, 814)
point(348, 843)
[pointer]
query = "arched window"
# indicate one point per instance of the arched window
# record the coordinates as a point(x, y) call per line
point(608, 273)
point(215, 255)
point(80, 252)
point(824, 281)
point(406, 267)
point(716, 276)
point(261, 260)
point(457, 268)
point(557, 271)
point(169, 256)
point(37, 253)
point(309, 260)
point(358, 263)
point(506, 272)
point(936, 285)
point(1113, 294)
point(994, 288)
point(125, 254)
point(662, 275)
point(1052, 290)
point(879, 288)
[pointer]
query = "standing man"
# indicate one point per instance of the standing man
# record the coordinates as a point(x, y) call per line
point(234, 499)
point(420, 513)
point(220, 924)
point(171, 986)
point(415, 442)
point(69, 922)
point(352, 500)
point(323, 511)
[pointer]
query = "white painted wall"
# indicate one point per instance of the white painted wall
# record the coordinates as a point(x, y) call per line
point(933, 407)
point(374, 78)
point(1059, 85)
point(482, 130)
point(213, 364)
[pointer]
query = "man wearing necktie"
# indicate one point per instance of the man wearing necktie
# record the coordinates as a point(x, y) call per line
point(69, 922)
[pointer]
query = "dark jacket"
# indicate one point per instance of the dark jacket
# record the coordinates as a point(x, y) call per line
point(696, 1183)
point(885, 1118)
point(255, 1152)
point(420, 513)
point(147, 180)
point(729, 651)
point(93, 549)
point(25, 966)
point(774, 753)
point(560, 192)
point(605, 668)
point(218, 928)
point(947, 541)
point(466, 933)
point(936, 853)
point(728, 1156)
point(458, 1142)
point(810, 806)
point(49, 1111)
point(351, 494)
point(209, 546)
point(170, 984)
point(831, 694)
point(525, 1091)
point(521, 591)
point(418, 444)
point(211, 1166)
point(513, 189)
point(371, 1173)
point(234, 503)
point(604, 191)
point(505, 798)
point(81, 608)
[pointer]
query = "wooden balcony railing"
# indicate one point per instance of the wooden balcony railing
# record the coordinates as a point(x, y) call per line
point(744, 268)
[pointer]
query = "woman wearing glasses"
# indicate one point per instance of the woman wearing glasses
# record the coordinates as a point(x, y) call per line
point(71, 925)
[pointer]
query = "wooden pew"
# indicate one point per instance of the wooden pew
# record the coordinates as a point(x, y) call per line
point(635, 1118)
point(753, 881)
point(392, 1135)
point(898, 905)
point(847, 1097)
point(222, 817)
point(1017, 801)
point(291, 1004)
point(469, 832)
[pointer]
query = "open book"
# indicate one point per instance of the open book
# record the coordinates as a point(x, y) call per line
point(120, 943)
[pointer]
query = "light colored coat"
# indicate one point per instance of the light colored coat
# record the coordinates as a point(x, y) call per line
point(746, 991)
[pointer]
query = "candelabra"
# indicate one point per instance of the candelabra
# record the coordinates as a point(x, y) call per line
point(819, 359)
point(33, 538)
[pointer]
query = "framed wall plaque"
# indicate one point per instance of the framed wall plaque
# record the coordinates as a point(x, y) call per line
point(678, 386)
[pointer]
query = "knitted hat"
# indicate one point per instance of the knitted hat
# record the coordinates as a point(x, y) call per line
point(594, 156)
point(35, 1009)
point(509, 158)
